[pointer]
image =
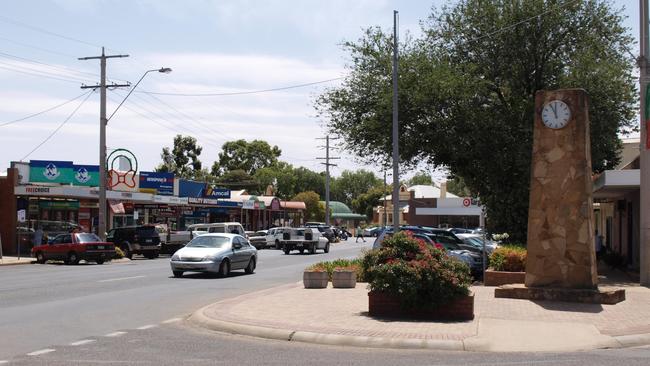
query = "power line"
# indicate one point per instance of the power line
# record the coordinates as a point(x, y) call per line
point(63, 68)
point(38, 74)
point(60, 126)
point(44, 111)
point(37, 29)
point(239, 93)
point(25, 67)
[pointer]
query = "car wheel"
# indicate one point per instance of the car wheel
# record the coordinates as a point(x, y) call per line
point(327, 248)
point(40, 258)
point(277, 244)
point(301, 250)
point(312, 249)
point(73, 258)
point(250, 269)
point(178, 274)
point(152, 255)
point(286, 250)
point(224, 268)
point(100, 261)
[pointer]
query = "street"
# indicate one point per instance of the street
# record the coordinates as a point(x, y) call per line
point(134, 313)
point(55, 304)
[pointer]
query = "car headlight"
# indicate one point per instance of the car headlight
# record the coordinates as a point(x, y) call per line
point(212, 258)
point(175, 257)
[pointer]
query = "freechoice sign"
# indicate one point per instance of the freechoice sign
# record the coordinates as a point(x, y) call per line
point(52, 171)
point(157, 183)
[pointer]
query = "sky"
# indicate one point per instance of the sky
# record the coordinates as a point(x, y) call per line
point(212, 47)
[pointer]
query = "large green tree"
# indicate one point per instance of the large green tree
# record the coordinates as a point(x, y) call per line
point(182, 159)
point(352, 184)
point(366, 202)
point(315, 211)
point(246, 156)
point(467, 87)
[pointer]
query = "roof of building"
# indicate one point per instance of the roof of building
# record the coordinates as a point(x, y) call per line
point(341, 211)
point(429, 191)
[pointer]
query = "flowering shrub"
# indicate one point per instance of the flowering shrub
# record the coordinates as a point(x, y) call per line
point(509, 258)
point(420, 275)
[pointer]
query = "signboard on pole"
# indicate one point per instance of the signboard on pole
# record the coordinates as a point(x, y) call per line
point(157, 183)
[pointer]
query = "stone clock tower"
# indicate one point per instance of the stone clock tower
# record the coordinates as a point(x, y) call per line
point(561, 250)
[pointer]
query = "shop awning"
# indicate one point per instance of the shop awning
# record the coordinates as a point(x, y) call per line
point(293, 205)
point(613, 184)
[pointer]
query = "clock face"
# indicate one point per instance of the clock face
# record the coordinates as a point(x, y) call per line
point(556, 114)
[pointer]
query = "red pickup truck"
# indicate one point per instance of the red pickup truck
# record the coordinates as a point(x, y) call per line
point(71, 248)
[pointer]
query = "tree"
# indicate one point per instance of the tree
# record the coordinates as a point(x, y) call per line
point(246, 156)
point(351, 184)
point(421, 178)
point(183, 159)
point(315, 211)
point(366, 203)
point(237, 179)
point(467, 87)
point(457, 186)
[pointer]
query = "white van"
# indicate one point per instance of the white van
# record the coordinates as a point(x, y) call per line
point(217, 227)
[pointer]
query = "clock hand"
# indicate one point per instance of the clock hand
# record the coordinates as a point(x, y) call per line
point(554, 107)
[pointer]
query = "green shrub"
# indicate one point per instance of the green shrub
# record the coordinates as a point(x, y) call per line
point(331, 266)
point(509, 258)
point(420, 275)
point(119, 253)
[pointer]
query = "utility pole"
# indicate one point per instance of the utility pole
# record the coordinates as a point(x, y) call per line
point(101, 227)
point(396, 215)
point(644, 147)
point(327, 164)
point(385, 213)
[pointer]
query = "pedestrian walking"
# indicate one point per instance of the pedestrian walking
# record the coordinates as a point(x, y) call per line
point(359, 235)
point(38, 236)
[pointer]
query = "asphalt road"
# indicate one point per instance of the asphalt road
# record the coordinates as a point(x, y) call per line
point(55, 304)
point(132, 313)
point(179, 344)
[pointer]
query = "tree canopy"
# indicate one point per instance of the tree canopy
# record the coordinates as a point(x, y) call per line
point(315, 211)
point(467, 86)
point(246, 156)
point(183, 159)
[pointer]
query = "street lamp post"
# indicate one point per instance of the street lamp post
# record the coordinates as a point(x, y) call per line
point(103, 121)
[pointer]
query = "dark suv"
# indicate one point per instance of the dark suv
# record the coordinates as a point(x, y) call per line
point(132, 240)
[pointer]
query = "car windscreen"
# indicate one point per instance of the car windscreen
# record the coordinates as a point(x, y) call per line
point(446, 241)
point(209, 242)
point(88, 238)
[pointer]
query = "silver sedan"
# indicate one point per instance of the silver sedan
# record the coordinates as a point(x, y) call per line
point(216, 253)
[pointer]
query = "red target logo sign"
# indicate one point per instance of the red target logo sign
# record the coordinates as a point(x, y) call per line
point(467, 202)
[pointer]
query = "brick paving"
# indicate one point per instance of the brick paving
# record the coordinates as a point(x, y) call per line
point(344, 312)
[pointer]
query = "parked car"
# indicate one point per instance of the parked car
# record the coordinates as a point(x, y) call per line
point(216, 227)
point(274, 235)
point(258, 239)
point(476, 241)
point(459, 230)
point(215, 253)
point(74, 247)
point(143, 239)
point(372, 231)
point(327, 232)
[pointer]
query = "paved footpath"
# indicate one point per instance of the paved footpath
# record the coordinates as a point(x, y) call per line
point(339, 317)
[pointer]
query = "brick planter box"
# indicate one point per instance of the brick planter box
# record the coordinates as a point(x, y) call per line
point(384, 305)
point(498, 278)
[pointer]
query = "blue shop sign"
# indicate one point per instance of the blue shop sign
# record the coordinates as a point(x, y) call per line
point(188, 188)
point(157, 183)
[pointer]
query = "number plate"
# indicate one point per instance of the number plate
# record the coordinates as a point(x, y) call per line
point(100, 247)
point(148, 241)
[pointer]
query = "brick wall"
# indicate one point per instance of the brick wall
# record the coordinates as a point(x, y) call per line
point(8, 211)
point(421, 220)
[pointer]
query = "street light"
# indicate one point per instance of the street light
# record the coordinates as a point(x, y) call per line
point(164, 70)
point(102, 151)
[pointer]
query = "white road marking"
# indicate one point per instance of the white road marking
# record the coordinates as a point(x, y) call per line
point(172, 320)
point(121, 279)
point(115, 334)
point(82, 342)
point(41, 352)
point(149, 326)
